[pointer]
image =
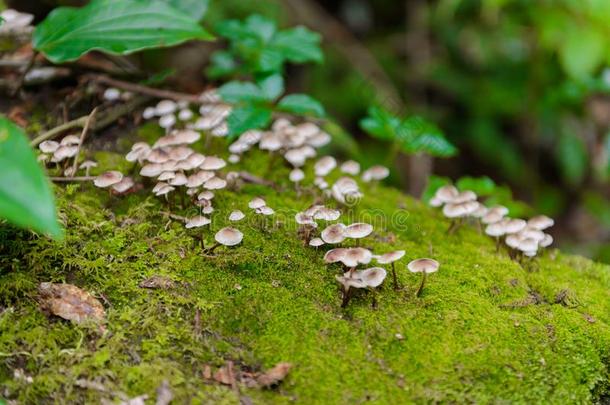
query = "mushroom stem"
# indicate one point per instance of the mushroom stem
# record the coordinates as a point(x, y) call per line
point(395, 279)
point(201, 240)
point(346, 297)
point(497, 244)
point(423, 283)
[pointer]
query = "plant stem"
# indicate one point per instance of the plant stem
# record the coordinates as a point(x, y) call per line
point(394, 277)
point(346, 297)
point(423, 283)
point(211, 249)
point(82, 139)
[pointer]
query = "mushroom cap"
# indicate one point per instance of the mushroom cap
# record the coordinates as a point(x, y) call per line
point(185, 114)
point(148, 113)
point(315, 242)
point(492, 216)
point(446, 194)
point(236, 215)
point(528, 245)
point(358, 230)
point(167, 121)
point(64, 152)
point(515, 225)
point(70, 140)
point(179, 152)
point(112, 94)
point(229, 236)
point(327, 214)
point(151, 170)
point(178, 180)
point(540, 222)
point(270, 141)
point(352, 257)
point(87, 164)
point(164, 190)
point(139, 151)
point(108, 179)
point(513, 240)
point(256, 202)
point(435, 202)
point(324, 165)
point(532, 234)
point(212, 163)
point(334, 255)
point(390, 257)
point(265, 210)
point(372, 277)
point(197, 221)
point(295, 157)
point(496, 229)
point(164, 107)
point(547, 241)
point(302, 218)
point(205, 195)
point(423, 265)
point(350, 281)
point(48, 146)
point(215, 183)
point(464, 196)
point(234, 159)
point(334, 233)
point(158, 155)
point(376, 172)
point(296, 175)
point(500, 209)
point(124, 185)
point(350, 167)
point(480, 212)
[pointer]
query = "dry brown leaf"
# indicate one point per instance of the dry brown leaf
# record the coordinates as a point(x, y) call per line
point(70, 302)
point(207, 372)
point(275, 375)
point(223, 376)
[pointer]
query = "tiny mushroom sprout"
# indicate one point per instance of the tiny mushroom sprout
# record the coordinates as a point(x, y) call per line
point(350, 167)
point(391, 257)
point(236, 215)
point(198, 222)
point(227, 237)
point(256, 203)
point(316, 242)
point(87, 165)
point(296, 176)
point(540, 222)
point(375, 173)
point(423, 266)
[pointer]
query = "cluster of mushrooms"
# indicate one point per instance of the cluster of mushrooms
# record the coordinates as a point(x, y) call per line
point(179, 174)
point(64, 155)
point(524, 238)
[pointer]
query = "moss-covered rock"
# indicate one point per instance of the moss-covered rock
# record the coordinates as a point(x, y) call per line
point(486, 329)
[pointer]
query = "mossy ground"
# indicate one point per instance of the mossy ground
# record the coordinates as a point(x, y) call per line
point(474, 336)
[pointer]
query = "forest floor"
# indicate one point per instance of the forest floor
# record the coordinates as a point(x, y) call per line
point(487, 329)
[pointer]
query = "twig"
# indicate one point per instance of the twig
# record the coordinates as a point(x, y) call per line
point(24, 73)
point(149, 91)
point(174, 216)
point(70, 179)
point(103, 121)
point(82, 139)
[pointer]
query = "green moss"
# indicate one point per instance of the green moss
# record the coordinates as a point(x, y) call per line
point(474, 336)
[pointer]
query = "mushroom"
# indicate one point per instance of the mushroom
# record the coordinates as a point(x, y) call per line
point(167, 121)
point(198, 222)
point(368, 278)
point(423, 266)
point(87, 165)
point(358, 230)
point(350, 167)
point(215, 183)
point(236, 215)
point(316, 242)
point(48, 146)
point(540, 222)
point(334, 234)
point(108, 179)
point(165, 107)
point(326, 214)
point(324, 166)
point(123, 186)
point(391, 257)
point(185, 114)
point(296, 176)
point(148, 113)
point(112, 94)
point(227, 237)
point(256, 203)
point(496, 230)
point(375, 173)
point(446, 194)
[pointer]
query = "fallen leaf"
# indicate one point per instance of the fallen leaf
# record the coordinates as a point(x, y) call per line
point(157, 282)
point(275, 375)
point(223, 376)
point(70, 302)
point(207, 372)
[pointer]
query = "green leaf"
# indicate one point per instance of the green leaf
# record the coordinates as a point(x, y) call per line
point(260, 26)
point(380, 124)
point(222, 64)
point(194, 8)
point(255, 28)
point(113, 26)
point(419, 135)
point(571, 154)
point(236, 91)
point(301, 104)
point(299, 45)
point(583, 51)
point(25, 194)
point(248, 117)
point(482, 186)
point(272, 87)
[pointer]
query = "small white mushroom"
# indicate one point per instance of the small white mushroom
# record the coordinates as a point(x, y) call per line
point(236, 215)
point(358, 230)
point(296, 175)
point(423, 266)
point(316, 242)
point(540, 222)
point(256, 203)
point(123, 186)
point(391, 257)
point(87, 165)
point(197, 222)
point(167, 121)
point(375, 173)
point(324, 166)
point(350, 167)
point(185, 114)
point(112, 94)
point(334, 233)
point(228, 237)
point(108, 179)
point(48, 146)
point(165, 107)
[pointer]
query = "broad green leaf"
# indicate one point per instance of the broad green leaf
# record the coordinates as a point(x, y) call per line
point(482, 186)
point(248, 117)
point(255, 27)
point(113, 26)
point(299, 45)
point(236, 91)
point(380, 124)
point(25, 194)
point(583, 51)
point(607, 152)
point(222, 64)
point(194, 8)
point(269, 60)
point(572, 157)
point(272, 87)
point(419, 135)
point(301, 104)
point(262, 27)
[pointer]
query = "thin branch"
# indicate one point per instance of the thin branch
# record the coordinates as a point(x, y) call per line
point(21, 79)
point(71, 179)
point(52, 133)
point(149, 91)
point(174, 216)
point(82, 139)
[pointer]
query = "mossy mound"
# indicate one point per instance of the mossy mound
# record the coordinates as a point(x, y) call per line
point(486, 330)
